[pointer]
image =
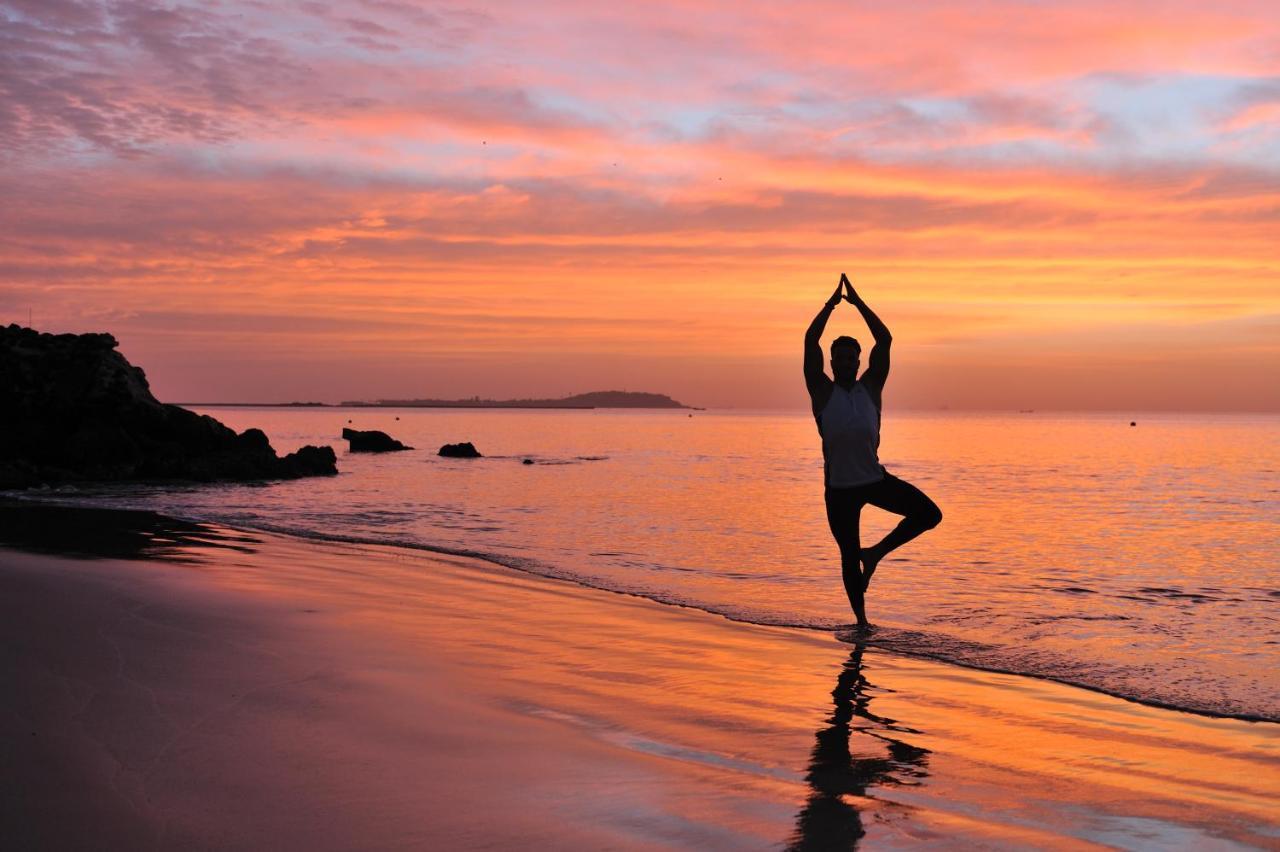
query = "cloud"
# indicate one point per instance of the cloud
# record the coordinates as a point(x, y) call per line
point(632, 173)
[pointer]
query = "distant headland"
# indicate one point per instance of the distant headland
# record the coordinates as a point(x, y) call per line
point(594, 399)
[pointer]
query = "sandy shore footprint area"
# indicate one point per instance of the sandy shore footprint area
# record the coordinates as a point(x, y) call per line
point(169, 685)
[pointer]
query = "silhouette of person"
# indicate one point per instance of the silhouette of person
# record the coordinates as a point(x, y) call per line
point(848, 413)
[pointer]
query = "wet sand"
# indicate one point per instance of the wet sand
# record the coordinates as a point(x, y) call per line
point(165, 685)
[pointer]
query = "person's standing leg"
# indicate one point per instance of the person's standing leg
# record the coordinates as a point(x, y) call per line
point(919, 514)
point(843, 511)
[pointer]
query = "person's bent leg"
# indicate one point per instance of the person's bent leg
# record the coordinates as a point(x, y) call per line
point(919, 514)
point(843, 511)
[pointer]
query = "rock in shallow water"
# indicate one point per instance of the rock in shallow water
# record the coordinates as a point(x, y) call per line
point(372, 441)
point(465, 450)
point(74, 409)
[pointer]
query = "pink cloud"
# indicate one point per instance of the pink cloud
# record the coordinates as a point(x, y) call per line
point(350, 180)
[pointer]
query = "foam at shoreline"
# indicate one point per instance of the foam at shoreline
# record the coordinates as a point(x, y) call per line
point(1094, 675)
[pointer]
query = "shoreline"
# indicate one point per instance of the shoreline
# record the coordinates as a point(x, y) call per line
point(195, 684)
point(885, 642)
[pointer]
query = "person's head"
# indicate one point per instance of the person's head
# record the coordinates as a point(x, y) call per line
point(845, 354)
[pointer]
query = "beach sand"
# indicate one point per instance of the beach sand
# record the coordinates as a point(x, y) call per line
point(173, 686)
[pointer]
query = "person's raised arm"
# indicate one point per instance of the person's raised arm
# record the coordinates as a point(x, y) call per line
point(878, 361)
point(814, 376)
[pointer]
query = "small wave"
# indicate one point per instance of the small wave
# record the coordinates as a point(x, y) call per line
point(1160, 591)
point(543, 460)
point(1042, 665)
point(380, 517)
point(1080, 617)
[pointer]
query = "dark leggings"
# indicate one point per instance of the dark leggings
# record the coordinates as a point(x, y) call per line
point(844, 508)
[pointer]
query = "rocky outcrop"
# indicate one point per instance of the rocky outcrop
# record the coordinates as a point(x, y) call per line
point(372, 441)
point(73, 409)
point(465, 450)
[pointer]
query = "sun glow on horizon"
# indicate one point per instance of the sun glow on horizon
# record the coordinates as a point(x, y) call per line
point(1059, 205)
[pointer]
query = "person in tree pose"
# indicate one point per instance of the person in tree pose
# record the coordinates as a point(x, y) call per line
point(847, 409)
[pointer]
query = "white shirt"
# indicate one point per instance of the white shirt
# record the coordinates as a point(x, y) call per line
point(850, 427)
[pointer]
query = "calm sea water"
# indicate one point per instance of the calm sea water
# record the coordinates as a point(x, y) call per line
point(1140, 560)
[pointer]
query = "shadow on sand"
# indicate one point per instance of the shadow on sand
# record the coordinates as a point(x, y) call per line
point(831, 818)
point(92, 533)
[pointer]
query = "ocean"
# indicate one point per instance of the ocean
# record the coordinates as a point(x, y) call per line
point(1137, 560)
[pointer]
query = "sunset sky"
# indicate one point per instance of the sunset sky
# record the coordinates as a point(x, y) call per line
point(1051, 204)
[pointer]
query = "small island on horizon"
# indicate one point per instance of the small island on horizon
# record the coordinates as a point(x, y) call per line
point(593, 399)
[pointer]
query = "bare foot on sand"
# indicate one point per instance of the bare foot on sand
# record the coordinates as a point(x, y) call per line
point(870, 559)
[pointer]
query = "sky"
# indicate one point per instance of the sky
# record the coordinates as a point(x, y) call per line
point(1052, 205)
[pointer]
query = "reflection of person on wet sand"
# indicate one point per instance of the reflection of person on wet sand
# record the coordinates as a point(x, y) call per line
point(829, 820)
point(848, 414)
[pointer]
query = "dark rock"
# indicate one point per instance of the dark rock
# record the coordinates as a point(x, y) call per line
point(311, 461)
point(74, 409)
point(527, 461)
point(372, 441)
point(465, 450)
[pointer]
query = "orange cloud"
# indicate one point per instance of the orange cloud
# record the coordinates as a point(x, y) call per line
point(267, 205)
